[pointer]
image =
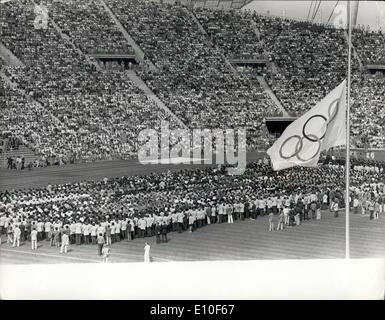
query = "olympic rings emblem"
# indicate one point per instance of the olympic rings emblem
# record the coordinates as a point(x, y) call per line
point(332, 113)
point(337, 108)
point(307, 121)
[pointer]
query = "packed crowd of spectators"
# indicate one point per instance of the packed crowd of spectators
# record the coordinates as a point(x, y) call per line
point(232, 32)
point(184, 200)
point(194, 79)
point(90, 28)
point(73, 111)
point(368, 115)
point(370, 45)
point(311, 60)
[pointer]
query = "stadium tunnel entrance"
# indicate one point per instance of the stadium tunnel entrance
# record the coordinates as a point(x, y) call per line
point(377, 69)
point(125, 61)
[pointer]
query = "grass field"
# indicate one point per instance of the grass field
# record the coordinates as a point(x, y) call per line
point(243, 240)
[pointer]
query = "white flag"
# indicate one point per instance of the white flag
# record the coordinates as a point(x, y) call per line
point(322, 127)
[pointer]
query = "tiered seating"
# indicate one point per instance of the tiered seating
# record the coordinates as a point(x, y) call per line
point(232, 32)
point(88, 103)
point(194, 80)
point(92, 115)
point(312, 60)
point(370, 46)
point(89, 26)
point(368, 115)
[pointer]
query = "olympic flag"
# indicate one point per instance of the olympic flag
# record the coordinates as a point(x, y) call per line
point(322, 127)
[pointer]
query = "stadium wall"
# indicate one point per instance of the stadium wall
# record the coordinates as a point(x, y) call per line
point(362, 154)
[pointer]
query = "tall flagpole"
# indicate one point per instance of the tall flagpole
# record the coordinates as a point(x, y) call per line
point(347, 235)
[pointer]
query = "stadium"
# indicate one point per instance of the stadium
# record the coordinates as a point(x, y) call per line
point(82, 80)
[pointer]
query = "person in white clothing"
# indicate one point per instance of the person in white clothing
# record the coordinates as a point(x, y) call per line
point(335, 209)
point(65, 241)
point(280, 221)
point(146, 252)
point(34, 239)
point(118, 227)
point(16, 236)
point(106, 254)
point(86, 232)
point(78, 232)
point(47, 230)
point(124, 229)
point(10, 233)
point(286, 216)
point(191, 220)
point(271, 221)
point(356, 203)
point(100, 229)
point(229, 211)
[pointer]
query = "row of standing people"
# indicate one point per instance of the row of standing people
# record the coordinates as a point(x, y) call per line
point(86, 232)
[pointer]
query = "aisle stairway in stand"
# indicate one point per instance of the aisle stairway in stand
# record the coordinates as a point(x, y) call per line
point(356, 56)
point(203, 31)
point(272, 96)
point(139, 54)
point(23, 150)
point(261, 80)
point(67, 39)
point(8, 56)
point(151, 95)
point(272, 65)
point(273, 69)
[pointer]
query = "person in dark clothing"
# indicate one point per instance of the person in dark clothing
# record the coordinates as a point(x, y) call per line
point(185, 222)
point(27, 231)
point(247, 211)
point(100, 242)
point(254, 213)
point(313, 210)
point(164, 232)
point(10, 163)
point(292, 218)
point(158, 232)
point(22, 231)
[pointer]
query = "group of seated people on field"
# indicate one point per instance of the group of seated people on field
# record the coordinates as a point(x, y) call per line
point(133, 206)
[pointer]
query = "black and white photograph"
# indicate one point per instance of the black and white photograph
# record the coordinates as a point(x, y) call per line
point(201, 140)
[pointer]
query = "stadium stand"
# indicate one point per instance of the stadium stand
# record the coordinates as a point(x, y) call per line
point(370, 45)
point(98, 113)
point(90, 28)
point(194, 80)
point(95, 111)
